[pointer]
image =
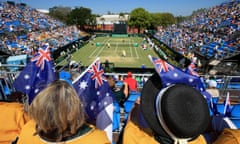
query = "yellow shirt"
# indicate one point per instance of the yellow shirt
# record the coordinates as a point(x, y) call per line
point(134, 135)
point(94, 136)
point(229, 136)
point(12, 119)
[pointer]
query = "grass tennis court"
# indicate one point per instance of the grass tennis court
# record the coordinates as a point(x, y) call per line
point(112, 48)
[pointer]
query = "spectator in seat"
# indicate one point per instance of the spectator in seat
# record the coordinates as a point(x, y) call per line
point(121, 93)
point(228, 136)
point(13, 117)
point(212, 88)
point(177, 114)
point(58, 117)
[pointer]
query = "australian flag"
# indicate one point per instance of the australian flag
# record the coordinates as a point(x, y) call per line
point(170, 74)
point(38, 73)
point(97, 97)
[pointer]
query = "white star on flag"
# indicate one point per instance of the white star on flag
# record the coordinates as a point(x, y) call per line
point(83, 85)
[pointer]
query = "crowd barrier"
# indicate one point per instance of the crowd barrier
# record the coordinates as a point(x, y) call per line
point(225, 84)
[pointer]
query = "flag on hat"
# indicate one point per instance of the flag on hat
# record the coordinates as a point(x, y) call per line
point(97, 96)
point(172, 75)
point(36, 75)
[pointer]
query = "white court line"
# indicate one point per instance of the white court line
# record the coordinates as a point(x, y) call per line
point(130, 48)
point(116, 48)
point(96, 49)
point(135, 49)
point(103, 47)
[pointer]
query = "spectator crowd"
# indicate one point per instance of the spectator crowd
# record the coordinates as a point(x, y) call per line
point(23, 30)
point(212, 32)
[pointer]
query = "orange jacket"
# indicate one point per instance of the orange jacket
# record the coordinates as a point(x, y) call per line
point(135, 135)
point(12, 119)
point(94, 136)
point(229, 136)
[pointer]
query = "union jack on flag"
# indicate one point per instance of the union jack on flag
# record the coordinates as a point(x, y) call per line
point(38, 73)
point(42, 57)
point(192, 69)
point(97, 97)
point(162, 65)
point(97, 74)
point(170, 74)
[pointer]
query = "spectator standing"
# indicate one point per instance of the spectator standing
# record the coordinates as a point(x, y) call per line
point(132, 83)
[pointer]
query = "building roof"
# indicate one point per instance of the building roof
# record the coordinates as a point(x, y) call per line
point(111, 19)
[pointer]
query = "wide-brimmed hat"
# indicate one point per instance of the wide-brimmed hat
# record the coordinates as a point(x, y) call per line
point(178, 111)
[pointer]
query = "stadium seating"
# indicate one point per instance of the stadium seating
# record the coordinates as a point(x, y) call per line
point(129, 103)
point(204, 32)
point(235, 113)
point(116, 117)
point(5, 88)
point(236, 122)
point(16, 60)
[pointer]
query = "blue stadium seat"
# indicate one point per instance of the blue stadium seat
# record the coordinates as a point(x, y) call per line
point(234, 86)
point(215, 99)
point(5, 88)
point(119, 84)
point(236, 122)
point(116, 117)
point(236, 111)
point(129, 103)
point(220, 107)
point(16, 60)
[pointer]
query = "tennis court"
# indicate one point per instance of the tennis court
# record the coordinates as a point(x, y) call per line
point(122, 51)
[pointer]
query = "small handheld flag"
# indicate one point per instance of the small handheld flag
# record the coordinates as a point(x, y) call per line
point(227, 106)
point(36, 75)
point(171, 75)
point(97, 97)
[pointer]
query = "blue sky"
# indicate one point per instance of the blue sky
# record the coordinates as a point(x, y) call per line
point(176, 7)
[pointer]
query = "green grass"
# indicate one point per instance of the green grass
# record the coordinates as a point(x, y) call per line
point(135, 56)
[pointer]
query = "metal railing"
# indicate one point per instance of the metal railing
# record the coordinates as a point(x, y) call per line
point(225, 84)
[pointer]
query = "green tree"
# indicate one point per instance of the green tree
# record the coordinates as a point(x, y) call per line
point(60, 13)
point(122, 17)
point(180, 19)
point(162, 19)
point(80, 16)
point(167, 19)
point(156, 20)
point(92, 21)
point(140, 19)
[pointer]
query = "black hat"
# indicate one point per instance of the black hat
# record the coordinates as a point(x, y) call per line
point(177, 112)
